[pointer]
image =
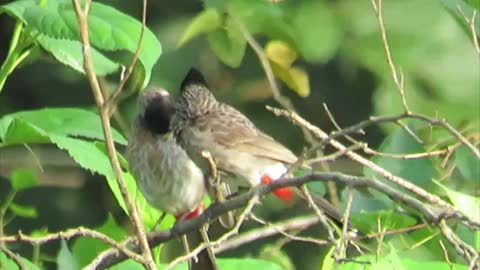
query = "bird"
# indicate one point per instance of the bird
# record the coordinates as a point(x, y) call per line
point(169, 180)
point(244, 155)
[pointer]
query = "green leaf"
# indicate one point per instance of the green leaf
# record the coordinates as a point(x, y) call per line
point(246, 263)
point(473, 3)
point(148, 213)
point(23, 179)
point(274, 254)
point(23, 211)
point(85, 249)
point(228, 44)
point(391, 219)
point(129, 265)
point(8, 264)
point(467, 164)
point(58, 121)
point(85, 153)
point(109, 29)
point(318, 34)
point(419, 171)
point(65, 259)
point(69, 52)
point(467, 204)
point(204, 22)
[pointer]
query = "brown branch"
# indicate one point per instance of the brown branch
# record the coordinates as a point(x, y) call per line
point(432, 215)
point(321, 135)
point(82, 17)
point(71, 233)
point(471, 25)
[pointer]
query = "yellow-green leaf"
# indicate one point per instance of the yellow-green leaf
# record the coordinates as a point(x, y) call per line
point(280, 53)
point(295, 78)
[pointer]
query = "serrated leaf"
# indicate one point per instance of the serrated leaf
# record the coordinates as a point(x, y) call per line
point(467, 204)
point(23, 211)
point(295, 78)
point(65, 259)
point(228, 44)
point(148, 213)
point(85, 153)
point(58, 121)
point(109, 29)
point(279, 52)
point(69, 52)
point(204, 22)
point(23, 179)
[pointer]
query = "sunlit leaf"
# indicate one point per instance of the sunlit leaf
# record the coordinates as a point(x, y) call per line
point(279, 52)
point(23, 211)
point(467, 204)
point(109, 30)
point(295, 78)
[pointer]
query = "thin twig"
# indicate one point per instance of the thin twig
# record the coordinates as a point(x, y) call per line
point(471, 25)
point(71, 233)
point(82, 17)
point(397, 79)
point(111, 103)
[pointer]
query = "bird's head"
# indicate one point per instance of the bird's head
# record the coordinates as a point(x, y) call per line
point(195, 99)
point(156, 110)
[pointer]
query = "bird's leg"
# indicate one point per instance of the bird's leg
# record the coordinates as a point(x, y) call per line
point(159, 221)
point(219, 190)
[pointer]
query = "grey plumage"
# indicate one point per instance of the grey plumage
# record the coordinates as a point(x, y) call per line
point(167, 177)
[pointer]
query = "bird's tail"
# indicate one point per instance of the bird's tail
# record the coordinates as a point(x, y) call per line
point(285, 194)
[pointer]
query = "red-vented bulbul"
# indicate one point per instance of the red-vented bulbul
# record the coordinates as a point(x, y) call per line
point(167, 177)
point(238, 148)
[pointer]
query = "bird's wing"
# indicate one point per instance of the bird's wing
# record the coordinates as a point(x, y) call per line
point(233, 130)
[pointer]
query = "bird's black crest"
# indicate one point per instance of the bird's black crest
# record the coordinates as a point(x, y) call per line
point(158, 114)
point(193, 77)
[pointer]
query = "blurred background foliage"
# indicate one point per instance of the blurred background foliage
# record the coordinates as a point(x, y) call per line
point(322, 52)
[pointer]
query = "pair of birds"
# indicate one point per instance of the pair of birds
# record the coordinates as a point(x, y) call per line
point(165, 151)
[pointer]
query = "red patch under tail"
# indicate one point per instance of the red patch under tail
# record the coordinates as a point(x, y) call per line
point(195, 213)
point(285, 193)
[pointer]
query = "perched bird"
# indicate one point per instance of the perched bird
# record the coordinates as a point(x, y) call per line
point(169, 180)
point(244, 154)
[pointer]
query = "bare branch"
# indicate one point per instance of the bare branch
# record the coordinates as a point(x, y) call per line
point(82, 17)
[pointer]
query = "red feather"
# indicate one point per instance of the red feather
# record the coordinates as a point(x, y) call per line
point(285, 193)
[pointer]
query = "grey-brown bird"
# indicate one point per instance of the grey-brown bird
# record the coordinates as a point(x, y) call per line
point(169, 180)
point(245, 154)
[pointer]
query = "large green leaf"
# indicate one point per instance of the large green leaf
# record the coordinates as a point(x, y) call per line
point(420, 171)
point(35, 126)
point(467, 204)
point(109, 30)
point(228, 43)
point(23, 179)
point(317, 31)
